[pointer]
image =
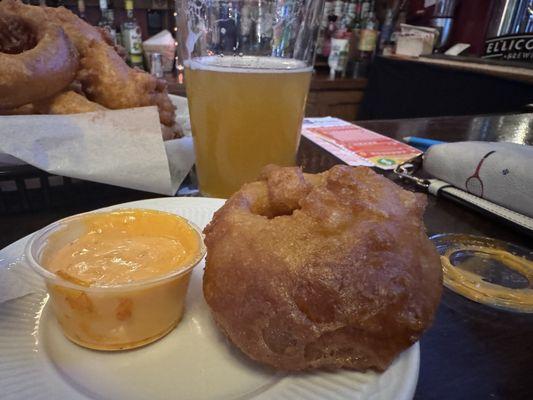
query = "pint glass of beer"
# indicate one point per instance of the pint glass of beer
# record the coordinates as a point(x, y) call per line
point(247, 67)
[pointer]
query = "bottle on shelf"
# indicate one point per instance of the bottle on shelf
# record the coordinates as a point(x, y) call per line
point(366, 6)
point(354, 31)
point(245, 26)
point(338, 57)
point(338, 9)
point(358, 5)
point(366, 44)
point(356, 21)
point(348, 16)
point(81, 10)
point(401, 19)
point(107, 20)
point(328, 34)
point(350, 12)
point(131, 37)
point(118, 27)
point(386, 32)
point(322, 46)
point(227, 32)
point(369, 34)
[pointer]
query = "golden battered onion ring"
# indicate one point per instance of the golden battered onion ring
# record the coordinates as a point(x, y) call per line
point(32, 74)
point(322, 271)
point(68, 102)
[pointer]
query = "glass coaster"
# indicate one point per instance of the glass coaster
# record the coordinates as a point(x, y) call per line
point(487, 271)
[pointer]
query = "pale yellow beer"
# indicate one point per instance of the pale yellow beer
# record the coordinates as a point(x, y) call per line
point(246, 112)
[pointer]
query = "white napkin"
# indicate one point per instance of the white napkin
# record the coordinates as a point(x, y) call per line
point(498, 172)
point(118, 147)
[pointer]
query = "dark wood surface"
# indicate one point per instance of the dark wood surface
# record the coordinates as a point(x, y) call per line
point(498, 68)
point(471, 351)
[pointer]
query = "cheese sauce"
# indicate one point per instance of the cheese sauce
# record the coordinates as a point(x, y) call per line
point(124, 246)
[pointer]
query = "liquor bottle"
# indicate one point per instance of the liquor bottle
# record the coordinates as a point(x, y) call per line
point(112, 26)
point(401, 19)
point(103, 8)
point(245, 24)
point(354, 30)
point(366, 45)
point(131, 37)
point(107, 20)
point(322, 46)
point(358, 8)
point(351, 11)
point(356, 22)
point(264, 29)
point(226, 29)
point(386, 30)
point(365, 9)
point(118, 27)
point(369, 34)
point(328, 34)
point(338, 9)
point(81, 10)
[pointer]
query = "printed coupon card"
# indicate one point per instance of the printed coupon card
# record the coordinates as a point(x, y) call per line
point(356, 145)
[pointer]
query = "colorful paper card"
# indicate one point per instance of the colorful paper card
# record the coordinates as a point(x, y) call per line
point(356, 145)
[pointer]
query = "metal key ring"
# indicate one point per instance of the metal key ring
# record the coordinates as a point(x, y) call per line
point(406, 170)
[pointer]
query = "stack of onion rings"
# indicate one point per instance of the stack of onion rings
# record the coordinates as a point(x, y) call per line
point(53, 62)
point(33, 74)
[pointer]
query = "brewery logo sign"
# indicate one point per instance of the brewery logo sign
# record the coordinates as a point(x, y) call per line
point(510, 47)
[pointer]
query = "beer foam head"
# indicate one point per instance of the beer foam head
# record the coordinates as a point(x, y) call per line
point(247, 64)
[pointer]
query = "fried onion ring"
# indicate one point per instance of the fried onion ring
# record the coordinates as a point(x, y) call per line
point(108, 80)
point(322, 271)
point(37, 60)
point(68, 102)
point(105, 77)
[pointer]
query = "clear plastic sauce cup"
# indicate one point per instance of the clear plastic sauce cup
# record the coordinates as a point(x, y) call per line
point(125, 309)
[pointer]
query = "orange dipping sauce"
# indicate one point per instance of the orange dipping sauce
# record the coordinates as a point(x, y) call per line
point(117, 280)
point(123, 247)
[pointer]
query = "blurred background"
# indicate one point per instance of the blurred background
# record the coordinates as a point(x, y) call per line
point(375, 59)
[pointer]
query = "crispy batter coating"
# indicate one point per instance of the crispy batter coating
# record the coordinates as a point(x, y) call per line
point(107, 79)
point(69, 102)
point(26, 109)
point(37, 59)
point(322, 271)
point(79, 32)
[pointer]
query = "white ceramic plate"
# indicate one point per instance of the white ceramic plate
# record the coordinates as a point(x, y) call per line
point(193, 362)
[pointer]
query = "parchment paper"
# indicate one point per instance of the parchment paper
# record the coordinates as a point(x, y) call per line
point(119, 147)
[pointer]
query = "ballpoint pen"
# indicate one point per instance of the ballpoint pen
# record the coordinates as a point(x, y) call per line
point(421, 143)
